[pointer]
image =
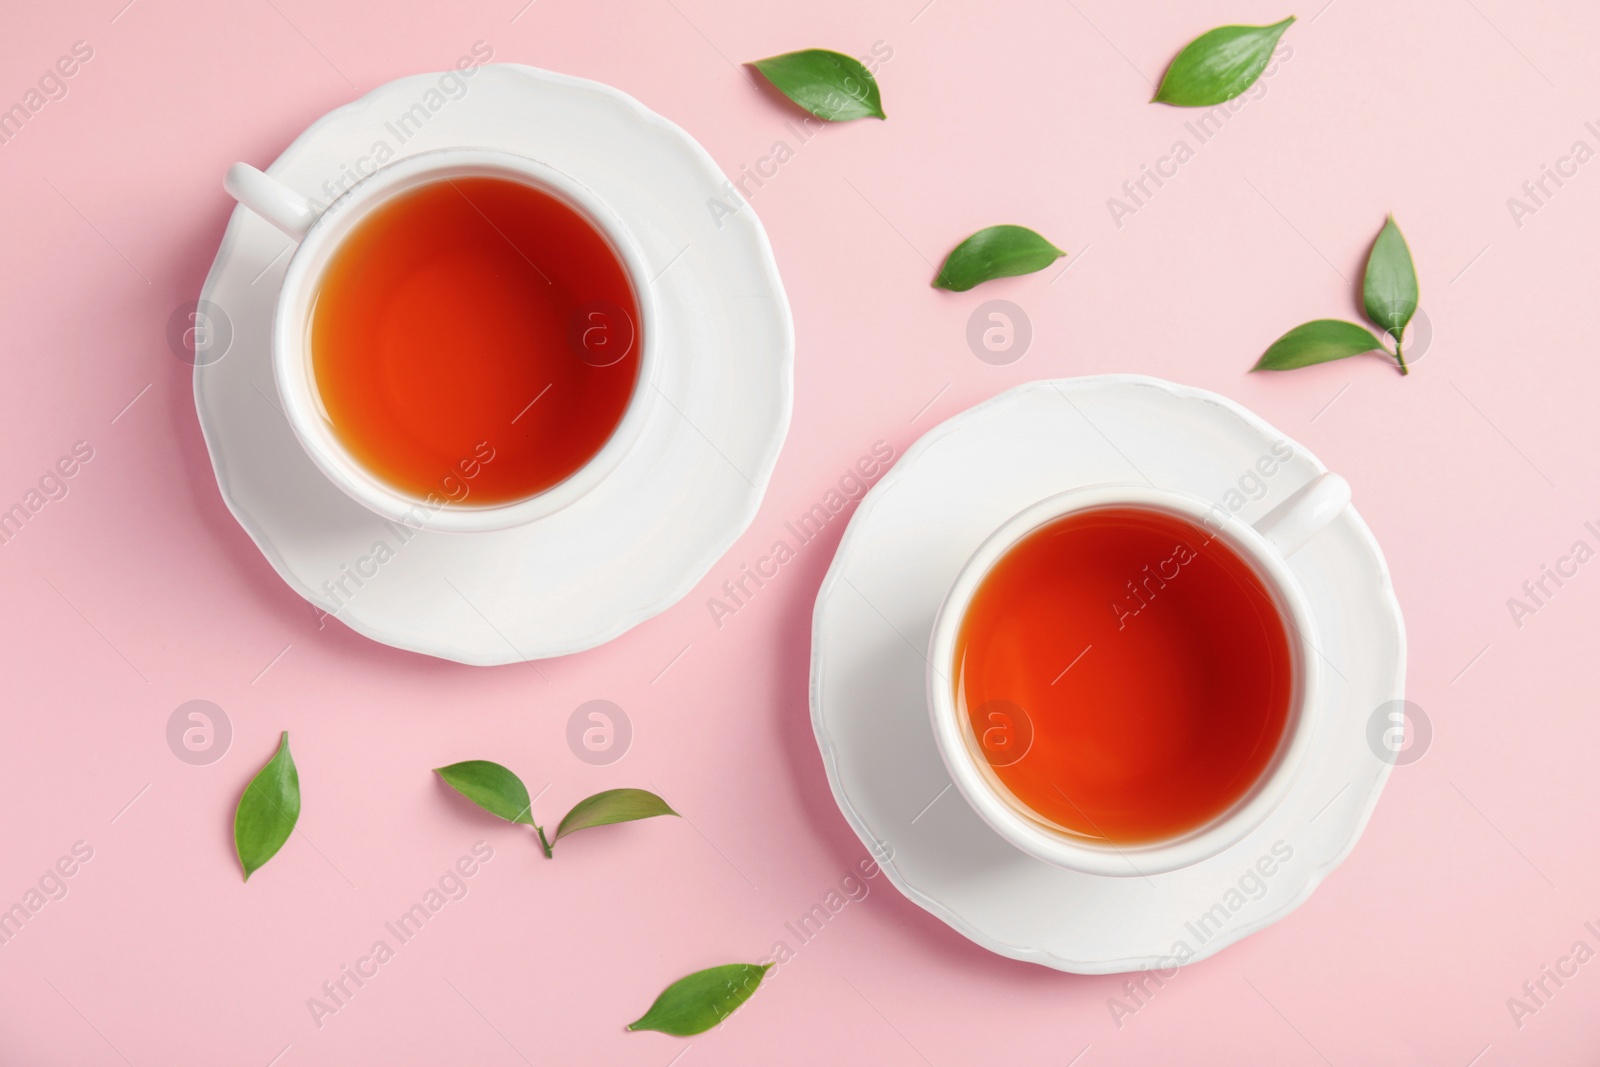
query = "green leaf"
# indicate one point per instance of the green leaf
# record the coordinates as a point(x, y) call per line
point(695, 1004)
point(1390, 287)
point(1318, 342)
point(829, 85)
point(1219, 65)
point(268, 810)
point(995, 252)
point(614, 805)
point(491, 787)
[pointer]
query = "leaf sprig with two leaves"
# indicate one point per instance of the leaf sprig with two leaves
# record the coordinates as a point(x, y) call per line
point(1389, 291)
point(498, 791)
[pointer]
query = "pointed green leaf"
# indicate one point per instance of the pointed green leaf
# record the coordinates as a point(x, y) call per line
point(491, 787)
point(614, 805)
point(1390, 286)
point(1219, 65)
point(268, 810)
point(695, 1004)
point(995, 252)
point(829, 85)
point(1318, 342)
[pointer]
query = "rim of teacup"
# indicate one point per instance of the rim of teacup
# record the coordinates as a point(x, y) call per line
point(291, 350)
point(976, 780)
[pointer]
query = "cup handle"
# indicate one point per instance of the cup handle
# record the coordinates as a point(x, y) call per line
point(1293, 523)
point(270, 198)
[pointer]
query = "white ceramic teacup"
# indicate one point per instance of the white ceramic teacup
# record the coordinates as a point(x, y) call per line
point(320, 235)
point(1265, 547)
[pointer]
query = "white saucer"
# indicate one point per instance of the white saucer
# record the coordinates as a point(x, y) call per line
point(630, 548)
point(875, 614)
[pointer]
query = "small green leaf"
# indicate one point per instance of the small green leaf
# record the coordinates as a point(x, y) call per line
point(995, 252)
point(1219, 65)
point(614, 805)
point(1318, 342)
point(1390, 287)
point(829, 85)
point(695, 1004)
point(491, 787)
point(268, 810)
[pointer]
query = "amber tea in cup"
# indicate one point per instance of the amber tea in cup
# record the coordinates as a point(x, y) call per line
point(475, 332)
point(1127, 674)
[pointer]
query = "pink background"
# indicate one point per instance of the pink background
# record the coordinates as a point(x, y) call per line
point(138, 591)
